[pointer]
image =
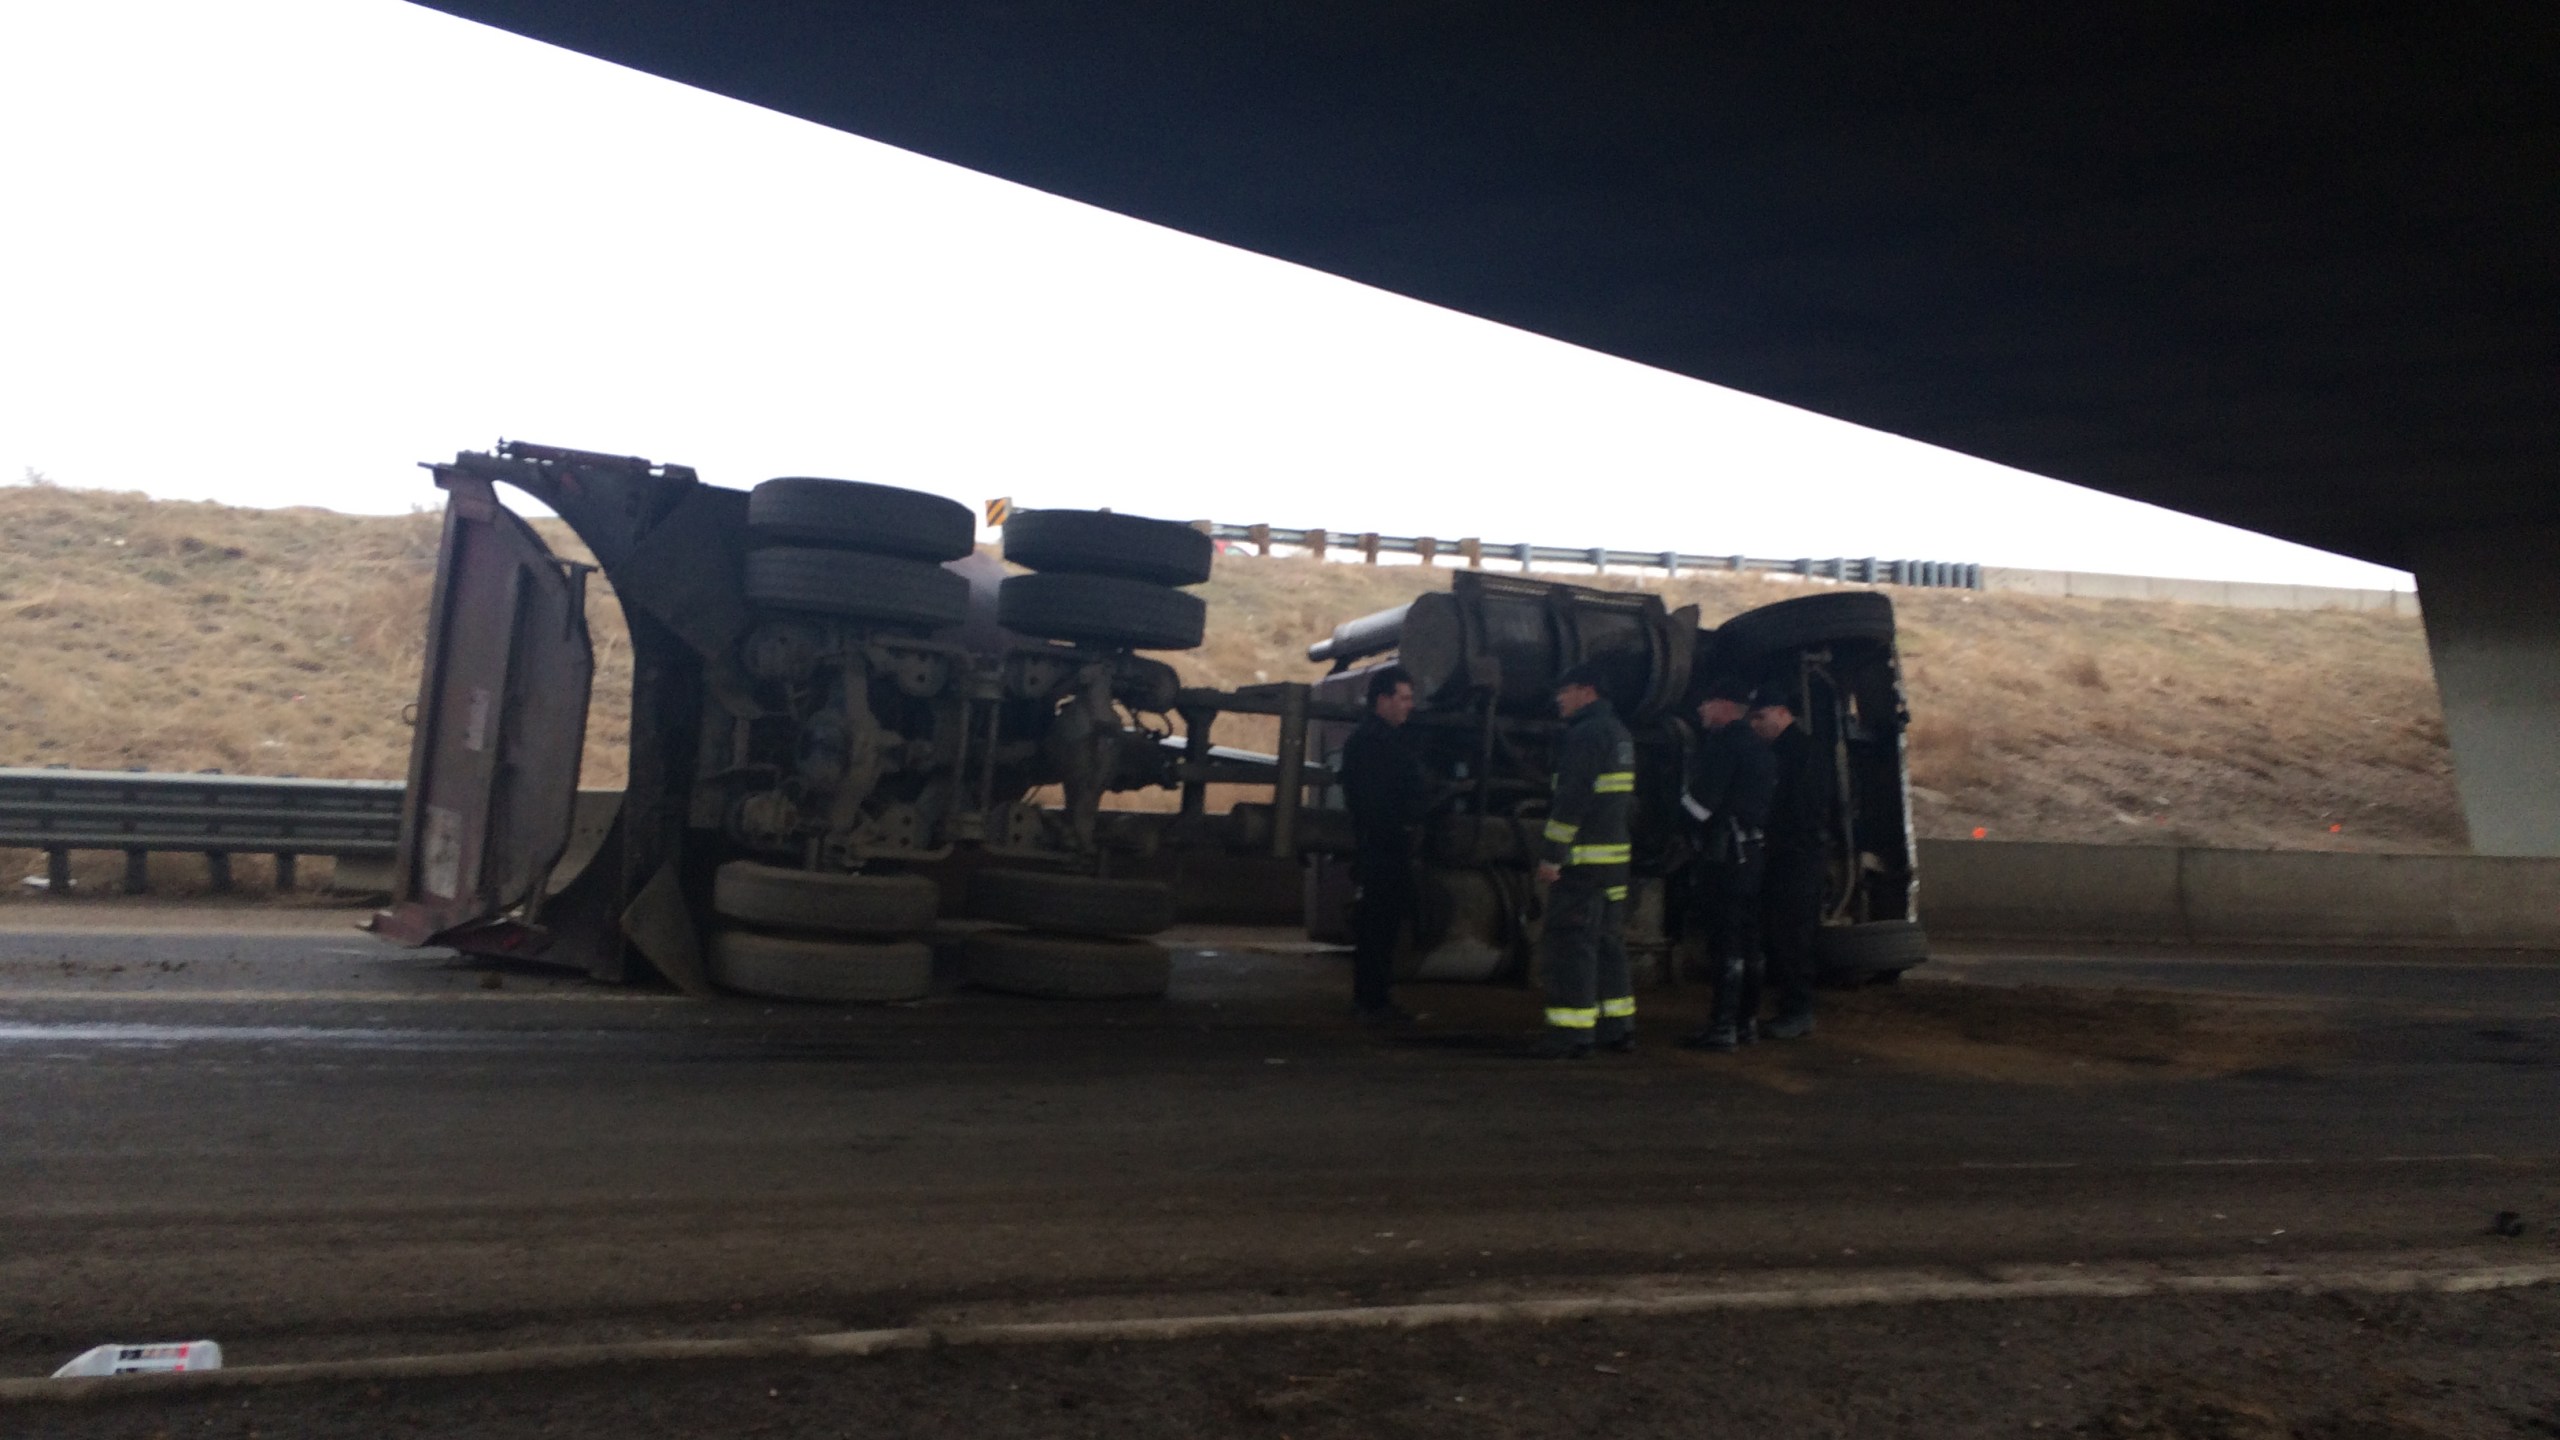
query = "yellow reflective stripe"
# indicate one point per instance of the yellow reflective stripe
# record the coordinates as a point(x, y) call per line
point(1572, 1019)
point(1614, 782)
point(1602, 855)
point(1622, 1008)
point(1561, 833)
point(1616, 892)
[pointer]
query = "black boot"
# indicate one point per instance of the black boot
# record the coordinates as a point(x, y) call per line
point(1724, 1022)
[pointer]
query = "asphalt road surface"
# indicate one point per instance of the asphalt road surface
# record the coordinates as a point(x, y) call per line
point(284, 1136)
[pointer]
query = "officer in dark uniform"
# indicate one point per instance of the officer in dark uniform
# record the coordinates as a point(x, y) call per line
point(1791, 889)
point(1584, 854)
point(1731, 781)
point(1389, 796)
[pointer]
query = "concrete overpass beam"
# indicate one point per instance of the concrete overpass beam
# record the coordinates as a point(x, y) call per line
point(2492, 605)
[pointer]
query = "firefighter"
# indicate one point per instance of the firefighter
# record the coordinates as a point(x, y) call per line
point(1791, 887)
point(1389, 795)
point(1583, 860)
point(1727, 801)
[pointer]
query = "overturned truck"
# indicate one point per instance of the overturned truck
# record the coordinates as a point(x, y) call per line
point(850, 730)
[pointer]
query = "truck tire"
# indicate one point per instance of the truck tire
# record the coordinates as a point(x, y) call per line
point(1102, 610)
point(1810, 620)
point(827, 904)
point(1051, 967)
point(879, 519)
point(1096, 542)
point(794, 967)
point(1851, 955)
point(857, 586)
point(1071, 904)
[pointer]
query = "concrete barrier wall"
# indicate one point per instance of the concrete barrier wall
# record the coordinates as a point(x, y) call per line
point(2015, 890)
point(2005, 889)
point(2238, 594)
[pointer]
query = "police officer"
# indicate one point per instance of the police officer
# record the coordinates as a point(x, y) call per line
point(1731, 781)
point(1583, 858)
point(1791, 889)
point(1389, 796)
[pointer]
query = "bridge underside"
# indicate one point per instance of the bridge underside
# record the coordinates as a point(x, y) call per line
point(2287, 268)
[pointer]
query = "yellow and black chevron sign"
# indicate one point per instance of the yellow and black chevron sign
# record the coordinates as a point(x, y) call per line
point(997, 512)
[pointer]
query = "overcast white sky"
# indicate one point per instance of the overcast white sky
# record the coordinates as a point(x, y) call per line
point(274, 252)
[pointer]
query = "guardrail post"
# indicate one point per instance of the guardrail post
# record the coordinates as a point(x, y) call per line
point(1315, 543)
point(1369, 547)
point(1599, 559)
point(1427, 548)
point(1472, 550)
point(1259, 536)
point(217, 864)
point(1671, 564)
point(137, 872)
point(57, 872)
point(285, 874)
point(1526, 554)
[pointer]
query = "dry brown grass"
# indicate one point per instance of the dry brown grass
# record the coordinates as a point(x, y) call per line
point(184, 636)
point(170, 635)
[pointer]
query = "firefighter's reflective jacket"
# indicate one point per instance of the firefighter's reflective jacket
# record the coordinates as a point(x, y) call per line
point(1587, 827)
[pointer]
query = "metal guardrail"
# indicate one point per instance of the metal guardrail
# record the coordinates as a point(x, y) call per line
point(1866, 570)
point(217, 816)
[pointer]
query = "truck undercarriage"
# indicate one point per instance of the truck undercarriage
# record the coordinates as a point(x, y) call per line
point(849, 728)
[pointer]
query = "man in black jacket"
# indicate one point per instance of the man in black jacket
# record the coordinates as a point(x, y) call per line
point(1583, 857)
point(1791, 889)
point(1731, 782)
point(1389, 795)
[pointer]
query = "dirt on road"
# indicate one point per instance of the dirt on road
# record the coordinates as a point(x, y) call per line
point(2190, 1368)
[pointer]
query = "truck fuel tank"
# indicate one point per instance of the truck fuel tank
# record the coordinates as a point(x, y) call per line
point(1511, 636)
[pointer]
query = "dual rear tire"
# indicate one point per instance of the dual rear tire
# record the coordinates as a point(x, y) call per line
point(1082, 938)
point(857, 551)
point(1106, 580)
point(811, 935)
point(834, 938)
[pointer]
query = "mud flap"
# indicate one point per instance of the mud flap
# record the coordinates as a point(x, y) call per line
point(659, 925)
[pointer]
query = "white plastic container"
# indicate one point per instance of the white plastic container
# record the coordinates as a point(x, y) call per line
point(145, 1359)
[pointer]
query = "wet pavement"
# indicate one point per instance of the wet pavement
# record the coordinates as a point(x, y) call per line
point(307, 1145)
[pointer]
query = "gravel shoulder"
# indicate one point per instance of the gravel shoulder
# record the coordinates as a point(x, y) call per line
point(2185, 1368)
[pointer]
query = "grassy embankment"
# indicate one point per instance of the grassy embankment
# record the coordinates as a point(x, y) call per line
point(181, 636)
